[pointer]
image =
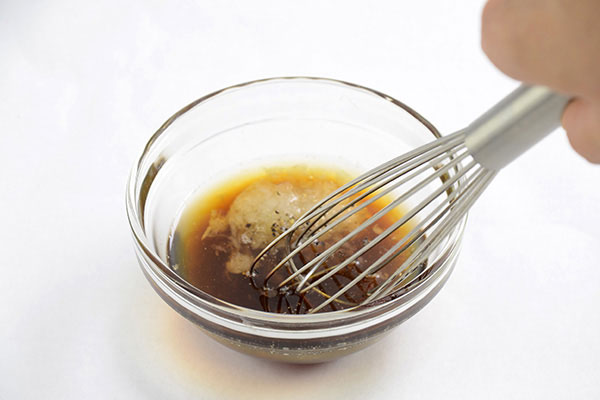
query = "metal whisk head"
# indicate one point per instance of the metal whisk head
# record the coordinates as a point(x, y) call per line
point(434, 180)
point(347, 251)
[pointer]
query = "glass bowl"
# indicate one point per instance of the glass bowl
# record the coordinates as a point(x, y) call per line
point(268, 123)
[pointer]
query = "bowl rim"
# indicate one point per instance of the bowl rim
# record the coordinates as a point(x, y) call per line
point(216, 309)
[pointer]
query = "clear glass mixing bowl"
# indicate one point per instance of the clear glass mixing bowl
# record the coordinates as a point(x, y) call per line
point(265, 123)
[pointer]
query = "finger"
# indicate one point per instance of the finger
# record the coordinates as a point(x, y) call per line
point(550, 42)
point(581, 120)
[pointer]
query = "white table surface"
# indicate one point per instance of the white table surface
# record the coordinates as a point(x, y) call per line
point(84, 84)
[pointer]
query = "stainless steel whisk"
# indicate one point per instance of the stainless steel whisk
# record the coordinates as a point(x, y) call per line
point(440, 180)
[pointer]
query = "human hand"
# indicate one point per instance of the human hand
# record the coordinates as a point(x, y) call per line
point(555, 43)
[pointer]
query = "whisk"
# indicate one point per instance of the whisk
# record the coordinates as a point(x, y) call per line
point(440, 181)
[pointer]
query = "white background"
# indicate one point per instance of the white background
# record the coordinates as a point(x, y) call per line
point(84, 84)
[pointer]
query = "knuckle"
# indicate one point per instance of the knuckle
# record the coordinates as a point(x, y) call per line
point(509, 33)
point(498, 36)
point(583, 130)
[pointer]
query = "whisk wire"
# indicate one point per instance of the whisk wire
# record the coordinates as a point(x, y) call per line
point(402, 221)
point(420, 167)
point(317, 261)
point(462, 203)
point(382, 178)
point(443, 144)
point(409, 240)
point(414, 235)
point(325, 228)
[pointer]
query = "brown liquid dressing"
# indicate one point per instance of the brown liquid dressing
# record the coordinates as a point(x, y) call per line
point(219, 234)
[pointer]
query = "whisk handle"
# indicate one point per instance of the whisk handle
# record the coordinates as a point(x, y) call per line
point(512, 126)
